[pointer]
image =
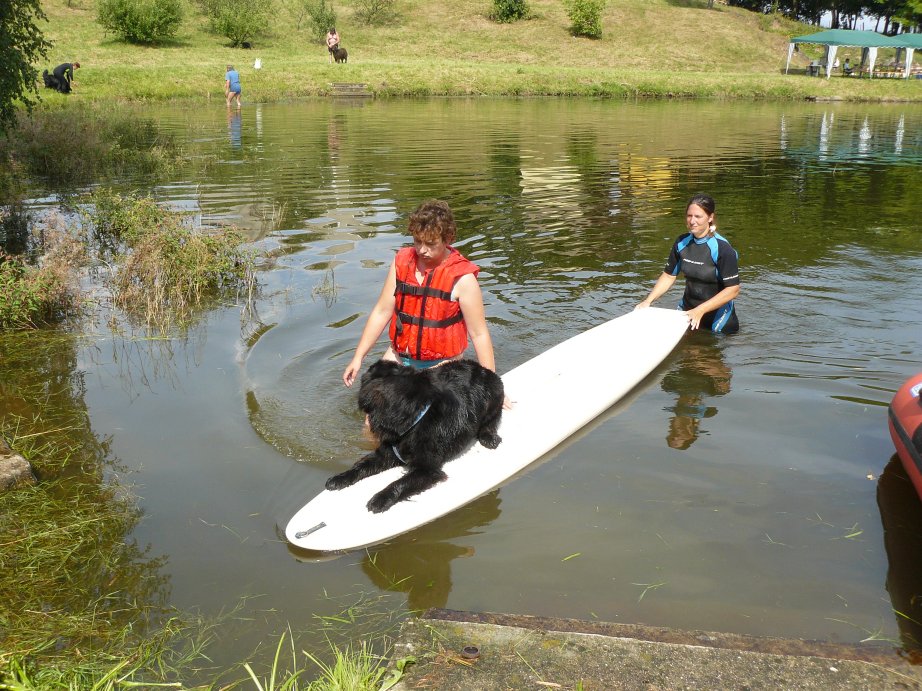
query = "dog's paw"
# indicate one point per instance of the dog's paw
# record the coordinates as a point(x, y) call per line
point(490, 441)
point(338, 482)
point(381, 502)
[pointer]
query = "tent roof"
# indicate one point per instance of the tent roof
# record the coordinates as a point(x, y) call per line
point(847, 37)
point(910, 40)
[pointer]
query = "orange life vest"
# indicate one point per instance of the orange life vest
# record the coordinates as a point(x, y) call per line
point(427, 324)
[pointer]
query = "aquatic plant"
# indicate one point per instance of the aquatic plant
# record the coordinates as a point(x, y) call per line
point(166, 269)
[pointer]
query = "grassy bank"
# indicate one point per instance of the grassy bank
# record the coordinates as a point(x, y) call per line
point(655, 48)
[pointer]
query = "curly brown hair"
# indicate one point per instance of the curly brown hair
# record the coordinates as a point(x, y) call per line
point(433, 221)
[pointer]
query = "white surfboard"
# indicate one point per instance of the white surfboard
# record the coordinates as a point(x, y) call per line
point(554, 394)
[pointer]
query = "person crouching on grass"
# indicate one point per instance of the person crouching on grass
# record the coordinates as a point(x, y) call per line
point(431, 301)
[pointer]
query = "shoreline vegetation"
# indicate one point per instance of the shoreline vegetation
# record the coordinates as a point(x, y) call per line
point(648, 49)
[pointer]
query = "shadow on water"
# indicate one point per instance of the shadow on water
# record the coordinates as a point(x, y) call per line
point(901, 516)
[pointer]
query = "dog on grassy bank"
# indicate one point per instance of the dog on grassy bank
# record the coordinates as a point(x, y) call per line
point(340, 54)
point(422, 419)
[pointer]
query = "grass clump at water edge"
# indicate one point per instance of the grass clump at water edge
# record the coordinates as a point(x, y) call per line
point(353, 668)
point(166, 269)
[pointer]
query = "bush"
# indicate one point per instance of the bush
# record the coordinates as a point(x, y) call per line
point(321, 17)
point(31, 296)
point(239, 20)
point(376, 12)
point(140, 21)
point(505, 11)
point(586, 17)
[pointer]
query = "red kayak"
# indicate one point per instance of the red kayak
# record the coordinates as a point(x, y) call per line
point(906, 428)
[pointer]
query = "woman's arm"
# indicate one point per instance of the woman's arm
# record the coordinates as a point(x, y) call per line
point(663, 283)
point(470, 299)
point(378, 320)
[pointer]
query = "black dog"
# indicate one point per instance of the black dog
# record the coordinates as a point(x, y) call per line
point(52, 82)
point(423, 419)
point(340, 54)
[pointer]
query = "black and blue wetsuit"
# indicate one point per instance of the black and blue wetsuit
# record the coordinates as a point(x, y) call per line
point(710, 265)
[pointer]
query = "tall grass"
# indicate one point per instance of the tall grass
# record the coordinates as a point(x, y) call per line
point(353, 667)
point(166, 269)
point(79, 145)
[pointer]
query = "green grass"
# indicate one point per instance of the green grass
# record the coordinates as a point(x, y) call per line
point(650, 48)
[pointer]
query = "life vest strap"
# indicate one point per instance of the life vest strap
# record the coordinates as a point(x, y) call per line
point(409, 289)
point(404, 318)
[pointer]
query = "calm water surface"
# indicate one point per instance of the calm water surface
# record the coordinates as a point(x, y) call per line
point(738, 489)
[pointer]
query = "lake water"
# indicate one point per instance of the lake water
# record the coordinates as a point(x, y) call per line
point(738, 490)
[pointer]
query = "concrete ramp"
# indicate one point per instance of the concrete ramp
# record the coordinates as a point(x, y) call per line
point(468, 651)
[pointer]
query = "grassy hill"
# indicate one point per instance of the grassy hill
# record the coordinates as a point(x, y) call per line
point(664, 48)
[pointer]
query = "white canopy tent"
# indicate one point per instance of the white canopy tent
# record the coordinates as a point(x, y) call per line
point(833, 38)
point(910, 42)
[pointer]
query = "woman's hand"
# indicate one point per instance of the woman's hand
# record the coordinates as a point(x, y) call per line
point(352, 371)
point(694, 317)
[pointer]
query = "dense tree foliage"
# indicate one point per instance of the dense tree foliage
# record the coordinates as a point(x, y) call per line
point(893, 16)
point(141, 21)
point(239, 20)
point(22, 45)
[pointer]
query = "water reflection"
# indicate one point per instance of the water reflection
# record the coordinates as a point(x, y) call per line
point(235, 127)
point(898, 139)
point(420, 564)
point(44, 412)
point(901, 516)
point(699, 375)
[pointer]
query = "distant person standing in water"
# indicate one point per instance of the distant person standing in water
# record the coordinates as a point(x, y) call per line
point(711, 268)
point(332, 41)
point(232, 87)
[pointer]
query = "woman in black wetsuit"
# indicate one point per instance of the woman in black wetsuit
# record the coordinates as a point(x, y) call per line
point(711, 269)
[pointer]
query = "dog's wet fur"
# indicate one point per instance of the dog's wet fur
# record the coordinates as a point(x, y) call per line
point(465, 405)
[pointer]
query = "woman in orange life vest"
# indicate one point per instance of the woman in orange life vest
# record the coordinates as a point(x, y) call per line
point(431, 301)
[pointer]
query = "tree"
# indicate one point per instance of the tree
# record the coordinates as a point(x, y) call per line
point(22, 44)
point(240, 20)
